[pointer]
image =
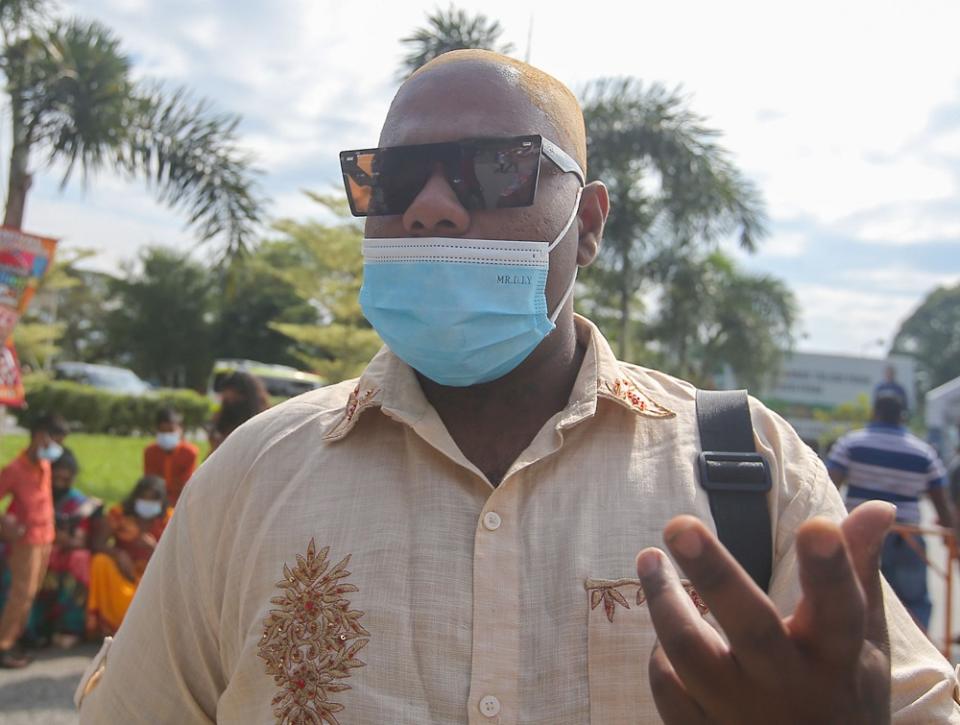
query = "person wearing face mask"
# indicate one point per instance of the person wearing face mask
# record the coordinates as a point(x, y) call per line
point(28, 479)
point(59, 610)
point(170, 456)
point(467, 532)
point(122, 549)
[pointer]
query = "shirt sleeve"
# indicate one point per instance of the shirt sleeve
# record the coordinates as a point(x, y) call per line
point(924, 687)
point(163, 665)
point(936, 473)
point(839, 457)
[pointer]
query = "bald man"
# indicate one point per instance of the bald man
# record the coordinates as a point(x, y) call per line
point(453, 537)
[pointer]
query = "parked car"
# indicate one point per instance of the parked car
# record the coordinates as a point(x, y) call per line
point(104, 377)
point(281, 381)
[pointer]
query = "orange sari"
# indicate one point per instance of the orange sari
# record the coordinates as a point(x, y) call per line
point(110, 592)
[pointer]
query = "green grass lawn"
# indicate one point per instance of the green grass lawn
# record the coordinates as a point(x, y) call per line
point(109, 465)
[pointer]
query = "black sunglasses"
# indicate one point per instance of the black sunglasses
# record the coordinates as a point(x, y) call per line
point(485, 173)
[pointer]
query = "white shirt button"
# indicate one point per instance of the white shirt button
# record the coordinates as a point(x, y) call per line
point(490, 706)
point(492, 521)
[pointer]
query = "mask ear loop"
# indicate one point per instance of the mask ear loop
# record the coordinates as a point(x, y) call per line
point(566, 227)
point(566, 296)
point(563, 233)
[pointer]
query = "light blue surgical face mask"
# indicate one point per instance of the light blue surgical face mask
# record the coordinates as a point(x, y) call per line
point(50, 452)
point(460, 311)
point(168, 441)
point(146, 508)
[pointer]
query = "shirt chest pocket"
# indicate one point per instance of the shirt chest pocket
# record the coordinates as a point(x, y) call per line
point(620, 638)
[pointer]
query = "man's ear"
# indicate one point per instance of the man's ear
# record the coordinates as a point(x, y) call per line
point(594, 207)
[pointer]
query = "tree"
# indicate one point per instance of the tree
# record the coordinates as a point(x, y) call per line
point(673, 191)
point(260, 295)
point(932, 335)
point(711, 313)
point(340, 341)
point(451, 29)
point(163, 322)
point(72, 99)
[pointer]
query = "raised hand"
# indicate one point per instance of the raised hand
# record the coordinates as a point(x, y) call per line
point(828, 663)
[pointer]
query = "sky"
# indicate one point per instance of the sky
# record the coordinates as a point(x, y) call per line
point(845, 115)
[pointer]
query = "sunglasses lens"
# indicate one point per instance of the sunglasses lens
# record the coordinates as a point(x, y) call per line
point(484, 174)
point(497, 174)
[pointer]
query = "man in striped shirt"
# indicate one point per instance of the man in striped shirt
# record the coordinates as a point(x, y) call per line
point(884, 461)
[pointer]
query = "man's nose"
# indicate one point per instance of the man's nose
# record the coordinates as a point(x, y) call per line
point(436, 211)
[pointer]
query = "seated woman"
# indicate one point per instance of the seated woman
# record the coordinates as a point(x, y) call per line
point(242, 396)
point(58, 612)
point(122, 551)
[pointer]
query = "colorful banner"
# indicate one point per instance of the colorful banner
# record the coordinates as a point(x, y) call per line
point(11, 382)
point(24, 260)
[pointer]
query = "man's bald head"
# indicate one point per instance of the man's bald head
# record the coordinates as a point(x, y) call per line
point(550, 98)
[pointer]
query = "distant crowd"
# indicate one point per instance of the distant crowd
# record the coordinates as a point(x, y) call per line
point(70, 565)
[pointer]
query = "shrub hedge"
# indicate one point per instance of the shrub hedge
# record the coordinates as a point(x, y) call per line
point(92, 410)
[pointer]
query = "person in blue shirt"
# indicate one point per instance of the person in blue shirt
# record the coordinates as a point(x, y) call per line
point(890, 386)
point(885, 462)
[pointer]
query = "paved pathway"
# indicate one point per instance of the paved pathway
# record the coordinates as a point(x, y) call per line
point(42, 694)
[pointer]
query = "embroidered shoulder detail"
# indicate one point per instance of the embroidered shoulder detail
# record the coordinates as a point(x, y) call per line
point(607, 591)
point(310, 643)
point(625, 391)
point(359, 400)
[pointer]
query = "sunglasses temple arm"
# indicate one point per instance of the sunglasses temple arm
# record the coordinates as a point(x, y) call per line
point(561, 158)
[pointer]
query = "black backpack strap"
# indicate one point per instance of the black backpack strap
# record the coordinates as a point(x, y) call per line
point(736, 478)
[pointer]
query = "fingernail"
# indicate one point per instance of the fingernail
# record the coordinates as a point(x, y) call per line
point(687, 543)
point(648, 562)
point(824, 544)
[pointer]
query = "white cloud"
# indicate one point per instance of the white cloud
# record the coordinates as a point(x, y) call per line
point(906, 223)
point(839, 319)
point(945, 146)
point(899, 279)
point(785, 244)
point(112, 216)
point(204, 31)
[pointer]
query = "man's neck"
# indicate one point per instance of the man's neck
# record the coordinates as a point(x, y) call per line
point(494, 422)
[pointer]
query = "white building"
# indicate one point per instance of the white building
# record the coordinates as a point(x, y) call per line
point(816, 381)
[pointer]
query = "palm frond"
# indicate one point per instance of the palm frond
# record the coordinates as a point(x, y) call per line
point(190, 157)
point(447, 30)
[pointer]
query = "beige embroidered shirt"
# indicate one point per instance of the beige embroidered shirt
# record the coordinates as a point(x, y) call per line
point(338, 560)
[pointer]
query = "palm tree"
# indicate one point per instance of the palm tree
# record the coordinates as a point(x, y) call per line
point(451, 29)
point(72, 100)
point(671, 187)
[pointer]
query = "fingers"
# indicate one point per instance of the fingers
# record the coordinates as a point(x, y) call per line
point(751, 623)
point(864, 530)
point(696, 652)
point(669, 694)
point(839, 572)
point(831, 618)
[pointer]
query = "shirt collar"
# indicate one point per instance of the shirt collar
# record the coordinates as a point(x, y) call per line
point(391, 385)
point(886, 427)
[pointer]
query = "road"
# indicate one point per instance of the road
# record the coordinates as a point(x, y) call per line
point(42, 694)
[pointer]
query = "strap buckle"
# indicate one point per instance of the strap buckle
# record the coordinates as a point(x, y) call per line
point(733, 471)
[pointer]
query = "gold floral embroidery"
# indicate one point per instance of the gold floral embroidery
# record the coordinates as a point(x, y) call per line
point(606, 591)
point(626, 392)
point(310, 643)
point(356, 403)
